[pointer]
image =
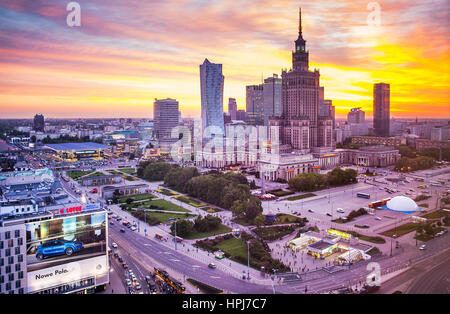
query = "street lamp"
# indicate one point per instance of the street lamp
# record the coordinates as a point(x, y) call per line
point(248, 259)
point(274, 279)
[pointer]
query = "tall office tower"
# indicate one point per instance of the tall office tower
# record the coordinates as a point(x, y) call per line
point(232, 108)
point(254, 104)
point(381, 109)
point(356, 115)
point(38, 123)
point(272, 98)
point(165, 117)
point(211, 86)
point(300, 99)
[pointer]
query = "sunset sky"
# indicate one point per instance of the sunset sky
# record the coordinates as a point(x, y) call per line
point(127, 53)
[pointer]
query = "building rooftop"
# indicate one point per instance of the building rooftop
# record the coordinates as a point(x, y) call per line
point(77, 146)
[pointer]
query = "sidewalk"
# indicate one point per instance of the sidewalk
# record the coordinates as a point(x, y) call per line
point(115, 285)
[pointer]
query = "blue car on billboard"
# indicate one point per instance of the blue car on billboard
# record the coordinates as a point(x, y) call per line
point(58, 247)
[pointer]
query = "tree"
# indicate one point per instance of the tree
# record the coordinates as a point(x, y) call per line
point(156, 171)
point(259, 220)
point(184, 227)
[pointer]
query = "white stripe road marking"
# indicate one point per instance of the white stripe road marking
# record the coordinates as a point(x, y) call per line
point(174, 260)
point(196, 266)
point(215, 277)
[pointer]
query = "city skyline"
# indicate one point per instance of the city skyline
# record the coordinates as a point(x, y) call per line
point(133, 53)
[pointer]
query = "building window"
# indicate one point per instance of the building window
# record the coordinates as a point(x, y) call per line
point(10, 243)
point(18, 284)
point(8, 286)
point(20, 258)
point(7, 252)
point(10, 260)
point(11, 277)
point(20, 275)
point(17, 267)
point(19, 241)
point(1, 262)
point(1, 244)
point(17, 233)
point(17, 250)
point(21, 291)
point(8, 269)
point(7, 235)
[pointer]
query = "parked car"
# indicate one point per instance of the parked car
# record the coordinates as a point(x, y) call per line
point(133, 228)
point(111, 223)
point(125, 265)
point(378, 218)
point(128, 281)
point(328, 214)
point(138, 286)
point(58, 247)
point(310, 210)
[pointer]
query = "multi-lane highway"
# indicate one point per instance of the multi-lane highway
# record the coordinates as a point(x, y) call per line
point(147, 251)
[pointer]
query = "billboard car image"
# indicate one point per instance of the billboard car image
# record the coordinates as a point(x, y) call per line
point(66, 239)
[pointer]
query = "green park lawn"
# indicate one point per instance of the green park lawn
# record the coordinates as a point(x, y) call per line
point(163, 217)
point(299, 197)
point(198, 235)
point(127, 170)
point(77, 174)
point(139, 197)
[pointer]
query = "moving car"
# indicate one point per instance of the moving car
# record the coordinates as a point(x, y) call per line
point(340, 210)
point(310, 210)
point(122, 230)
point(212, 265)
point(133, 228)
point(422, 247)
point(378, 218)
point(114, 245)
point(128, 281)
point(125, 265)
point(111, 223)
point(328, 214)
point(138, 286)
point(58, 247)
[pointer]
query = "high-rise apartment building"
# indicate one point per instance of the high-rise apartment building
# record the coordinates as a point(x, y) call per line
point(232, 108)
point(211, 86)
point(165, 117)
point(381, 109)
point(272, 98)
point(356, 115)
point(254, 106)
point(38, 123)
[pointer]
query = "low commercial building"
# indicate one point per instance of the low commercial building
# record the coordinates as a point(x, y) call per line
point(303, 241)
point(286, 166)
point(378, 140)
point(77, 151)
point(16, 207)
point(369, 156)
point(101, 180)
point(125, 190)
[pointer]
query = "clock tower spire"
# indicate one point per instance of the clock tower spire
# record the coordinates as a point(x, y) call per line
point(300, 56)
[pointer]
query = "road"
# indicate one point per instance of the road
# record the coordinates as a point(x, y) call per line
point(431, 276)
point(144, 249)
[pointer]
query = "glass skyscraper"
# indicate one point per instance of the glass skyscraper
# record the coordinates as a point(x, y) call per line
point(211, 85)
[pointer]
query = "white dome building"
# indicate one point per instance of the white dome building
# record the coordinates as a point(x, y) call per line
point(402, 204)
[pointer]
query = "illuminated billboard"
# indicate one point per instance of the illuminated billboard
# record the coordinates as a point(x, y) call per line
point(66, 250)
